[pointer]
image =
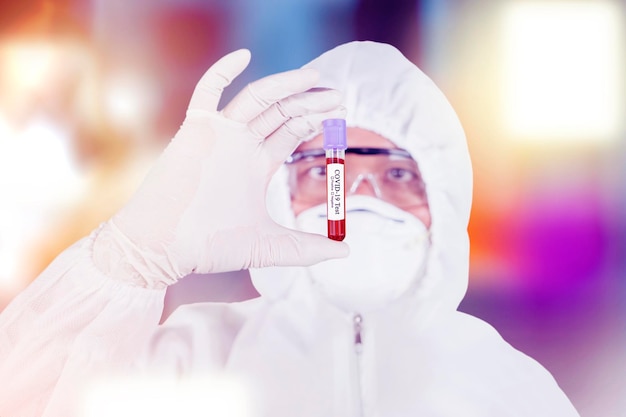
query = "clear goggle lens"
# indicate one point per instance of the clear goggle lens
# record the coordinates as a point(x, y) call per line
point(389, 174)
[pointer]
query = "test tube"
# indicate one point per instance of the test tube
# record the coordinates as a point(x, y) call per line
point(335, 144)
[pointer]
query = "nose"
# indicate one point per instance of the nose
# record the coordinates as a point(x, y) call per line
point(365, 184)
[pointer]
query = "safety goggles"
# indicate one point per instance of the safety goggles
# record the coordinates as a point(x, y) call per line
point(389, 174)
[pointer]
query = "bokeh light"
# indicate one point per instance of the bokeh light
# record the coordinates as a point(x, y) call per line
point(562, 70)
point(92, 90)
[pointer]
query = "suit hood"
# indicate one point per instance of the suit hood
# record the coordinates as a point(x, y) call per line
point(387, 94)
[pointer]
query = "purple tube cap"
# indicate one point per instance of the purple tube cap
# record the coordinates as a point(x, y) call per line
point(335, 134)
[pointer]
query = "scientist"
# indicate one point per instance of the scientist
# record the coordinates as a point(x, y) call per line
point(368, 327)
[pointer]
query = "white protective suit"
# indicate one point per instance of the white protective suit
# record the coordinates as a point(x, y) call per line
point(402, 351)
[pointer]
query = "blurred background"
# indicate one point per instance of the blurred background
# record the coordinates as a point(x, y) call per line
point(92, 90)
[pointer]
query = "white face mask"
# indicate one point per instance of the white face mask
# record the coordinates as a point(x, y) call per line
point(388, 249)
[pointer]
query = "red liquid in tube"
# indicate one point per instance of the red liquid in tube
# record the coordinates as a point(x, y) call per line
point(336, 228)
point(335, 144)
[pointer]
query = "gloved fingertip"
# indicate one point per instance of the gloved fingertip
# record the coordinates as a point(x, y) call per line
point(312, 248)
point(311, 75)
point(331, 249)
point(338, 95)
point(339, 112)
point(243, 53)
point(339, 250)
point(239, 59)
point(330, 95)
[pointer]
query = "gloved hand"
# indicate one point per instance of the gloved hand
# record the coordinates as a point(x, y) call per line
point(202, 206)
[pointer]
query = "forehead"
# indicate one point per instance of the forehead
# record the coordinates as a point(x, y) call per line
point(357, 137)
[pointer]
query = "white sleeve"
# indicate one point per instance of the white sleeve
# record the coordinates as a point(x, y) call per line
point(70, 324)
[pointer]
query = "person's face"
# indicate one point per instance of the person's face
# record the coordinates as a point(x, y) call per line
point(394, 178)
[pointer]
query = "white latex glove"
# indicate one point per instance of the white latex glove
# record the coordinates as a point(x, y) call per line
point(202, 207)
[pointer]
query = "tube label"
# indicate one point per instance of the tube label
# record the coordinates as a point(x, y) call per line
point(335, 191)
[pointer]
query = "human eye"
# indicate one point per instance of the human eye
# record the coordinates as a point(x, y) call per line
point(316, 172)
point(401, 175)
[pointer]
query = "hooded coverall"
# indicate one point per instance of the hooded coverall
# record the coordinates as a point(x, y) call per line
point(301, 355)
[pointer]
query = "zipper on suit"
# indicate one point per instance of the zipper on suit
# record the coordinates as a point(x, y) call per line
point(357, 322)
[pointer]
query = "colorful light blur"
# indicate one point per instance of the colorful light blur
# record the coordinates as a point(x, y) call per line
point(540, 88)
point(38, 171)
point(68, 122)
point(562, 70)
